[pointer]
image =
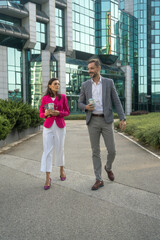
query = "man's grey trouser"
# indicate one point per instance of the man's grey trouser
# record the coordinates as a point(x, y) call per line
point(96, 127)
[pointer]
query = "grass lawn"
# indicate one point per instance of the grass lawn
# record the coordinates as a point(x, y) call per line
point(144, 128)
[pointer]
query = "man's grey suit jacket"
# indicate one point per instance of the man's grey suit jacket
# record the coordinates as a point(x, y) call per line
point(109, 97)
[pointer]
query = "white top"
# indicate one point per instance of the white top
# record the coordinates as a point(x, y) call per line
point(97, 96)
point(53, 98)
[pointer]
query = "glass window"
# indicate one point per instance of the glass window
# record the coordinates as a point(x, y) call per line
point(141, 14)
point(41, 33)
point(77, 17)
point(152, 25)
point(14, 73)
point(152, 53)
point(157, 39)
point(60, 26)
point(83, 25)
point(91, 23)
point(152, 39)
point(11, 56)
point(77, 37)
point(141, 61)
point(157, 25)
point(105, 5)
point(157, 53)
point(141, 28)
point(157, 12)
point(141, 43)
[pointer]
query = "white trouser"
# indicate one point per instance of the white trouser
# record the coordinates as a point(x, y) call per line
point(53, 136)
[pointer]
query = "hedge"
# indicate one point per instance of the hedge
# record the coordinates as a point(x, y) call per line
point(17, 115)
point(145, 128)
point(4, 127)
point(82, 116)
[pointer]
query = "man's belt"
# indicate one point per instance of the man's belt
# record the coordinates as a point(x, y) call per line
point(97, 115)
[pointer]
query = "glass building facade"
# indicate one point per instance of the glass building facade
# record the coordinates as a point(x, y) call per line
point(117, 35)
point(84, 25)
point(34, 83)
point(155, 55)
point(42, 40)
point(144, 58)
point(148, 14)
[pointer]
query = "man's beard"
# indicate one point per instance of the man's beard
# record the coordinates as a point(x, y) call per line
point(94, 75)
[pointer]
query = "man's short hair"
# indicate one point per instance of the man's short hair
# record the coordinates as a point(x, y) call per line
point(96, 61)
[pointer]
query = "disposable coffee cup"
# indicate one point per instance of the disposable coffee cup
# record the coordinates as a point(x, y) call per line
point(51, 106)
point(91, 101)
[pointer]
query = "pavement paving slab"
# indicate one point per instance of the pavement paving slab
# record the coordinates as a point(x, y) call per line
point(127, 209)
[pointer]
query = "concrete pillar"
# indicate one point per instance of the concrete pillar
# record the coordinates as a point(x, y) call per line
point(45, 69)
point(29, 23)
point(61, 58)
point(49, 9)
point(68, 28)
point(128, 89)
point(3, 73)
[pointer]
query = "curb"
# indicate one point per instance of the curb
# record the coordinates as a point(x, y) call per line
point(152, 153)
point(8, 146)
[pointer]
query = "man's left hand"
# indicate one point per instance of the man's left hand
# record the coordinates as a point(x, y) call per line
point(122, 124)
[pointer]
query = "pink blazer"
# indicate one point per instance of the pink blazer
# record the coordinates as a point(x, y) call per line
point(61, 106)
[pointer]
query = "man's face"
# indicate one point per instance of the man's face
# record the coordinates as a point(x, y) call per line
point(93, 70)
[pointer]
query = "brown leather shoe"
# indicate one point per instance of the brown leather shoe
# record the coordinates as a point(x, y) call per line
point(110, 174)
point(97, 185)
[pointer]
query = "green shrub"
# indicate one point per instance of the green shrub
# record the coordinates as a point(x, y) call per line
point(24, 119)
point(82, 116)
point(145, 128)
point(76, 117)
point(5, 127)
point(19, 115)
point(115, 115)
point(8, 110)
point(35, 119)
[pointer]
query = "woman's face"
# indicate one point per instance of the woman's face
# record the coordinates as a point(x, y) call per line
point(54, 86)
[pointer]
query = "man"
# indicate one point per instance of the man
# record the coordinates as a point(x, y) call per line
point(99, 117)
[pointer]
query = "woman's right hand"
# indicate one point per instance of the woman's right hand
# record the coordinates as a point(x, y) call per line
point(48, 113)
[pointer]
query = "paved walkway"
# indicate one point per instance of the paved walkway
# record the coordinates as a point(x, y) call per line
point(127, 209)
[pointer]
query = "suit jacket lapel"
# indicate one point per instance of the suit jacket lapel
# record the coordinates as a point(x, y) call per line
point(90, 89)
point(103, 90)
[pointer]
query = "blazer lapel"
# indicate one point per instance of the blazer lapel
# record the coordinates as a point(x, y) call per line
point(90, 89)
point(103, 90)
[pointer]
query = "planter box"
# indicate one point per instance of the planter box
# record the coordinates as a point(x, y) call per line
point(15, 135)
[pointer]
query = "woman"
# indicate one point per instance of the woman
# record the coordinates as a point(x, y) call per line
point(54, 129)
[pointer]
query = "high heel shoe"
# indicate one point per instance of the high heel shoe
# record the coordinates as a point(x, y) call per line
point(62, 178)
point(47, 187)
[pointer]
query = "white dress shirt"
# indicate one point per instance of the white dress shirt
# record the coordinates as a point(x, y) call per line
point(97, 96)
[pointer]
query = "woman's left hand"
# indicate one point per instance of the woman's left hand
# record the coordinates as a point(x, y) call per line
point(55, 113)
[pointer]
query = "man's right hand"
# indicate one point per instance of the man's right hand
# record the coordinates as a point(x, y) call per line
point(89, 107)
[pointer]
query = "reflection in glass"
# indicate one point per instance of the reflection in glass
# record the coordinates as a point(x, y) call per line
point(41, 38)
point(60, 28)
point(84, 26)
point(14, 73)
point(35, 83)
